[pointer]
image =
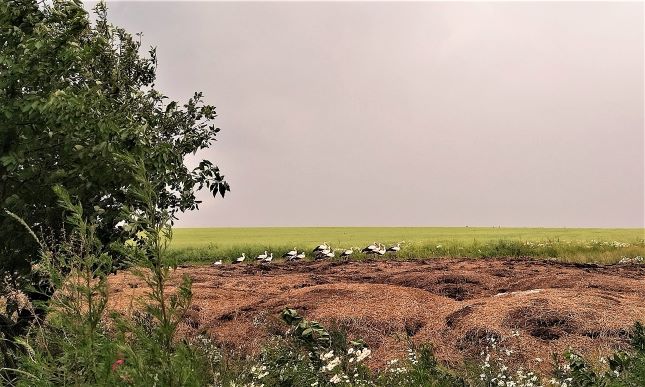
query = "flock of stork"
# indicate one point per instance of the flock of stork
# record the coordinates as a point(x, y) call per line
point(322, 252)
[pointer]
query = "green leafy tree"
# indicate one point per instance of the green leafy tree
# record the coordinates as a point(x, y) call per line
point(78, 107)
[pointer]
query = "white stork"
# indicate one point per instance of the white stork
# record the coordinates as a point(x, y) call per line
point(371, 249)
point(347, 253)
point(268, 259)
point(320, 253)
point(262, 256)
point(240, 259)
point(381, 250)
point(395, 249)
point(322, 247)
point(300, 256)
point(325, 254)
point(290, 254)
point(217, 263)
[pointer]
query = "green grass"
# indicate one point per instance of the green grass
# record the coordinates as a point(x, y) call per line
point(359, 236)
point(566, 244)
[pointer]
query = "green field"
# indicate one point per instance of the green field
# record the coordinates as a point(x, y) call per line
point(308, 237)
point(602, 245)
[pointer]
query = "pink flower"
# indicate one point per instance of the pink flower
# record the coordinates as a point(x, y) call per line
point(117, 363)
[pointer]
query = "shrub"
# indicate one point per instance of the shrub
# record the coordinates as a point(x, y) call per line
point(621, 368)
point(73, 346)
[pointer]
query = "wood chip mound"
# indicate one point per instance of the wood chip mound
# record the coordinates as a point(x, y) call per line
point(532, 308)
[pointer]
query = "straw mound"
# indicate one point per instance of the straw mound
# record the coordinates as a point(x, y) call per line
point(533, 308)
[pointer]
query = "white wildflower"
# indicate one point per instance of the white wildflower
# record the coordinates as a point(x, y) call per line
point(362, 355)
point(327, 355)
point(332, 364)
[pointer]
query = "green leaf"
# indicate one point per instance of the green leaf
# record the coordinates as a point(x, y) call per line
point(7, 160)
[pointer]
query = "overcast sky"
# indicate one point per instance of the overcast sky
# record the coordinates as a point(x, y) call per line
point(412, 114)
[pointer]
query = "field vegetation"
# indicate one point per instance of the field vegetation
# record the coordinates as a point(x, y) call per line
point(598, 245)
point(92, 179)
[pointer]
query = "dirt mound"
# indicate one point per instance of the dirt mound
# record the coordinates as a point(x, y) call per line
point(541, 321)
point(530, 308)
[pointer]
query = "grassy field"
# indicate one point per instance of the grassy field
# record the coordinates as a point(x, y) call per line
point(601, 245)
point(308, 237)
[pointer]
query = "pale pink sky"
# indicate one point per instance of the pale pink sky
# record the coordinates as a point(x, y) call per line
point(412, 114)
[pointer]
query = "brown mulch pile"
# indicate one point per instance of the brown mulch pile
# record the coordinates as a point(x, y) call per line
point(535, 308)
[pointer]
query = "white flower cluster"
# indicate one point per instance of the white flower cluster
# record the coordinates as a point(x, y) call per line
point(615, 244)
point(637, 260)
point(326, 356)
point(588, 244)
point(504, 378)
point(260, 371)
point(206, 344)
point(560, 383)
point(495, 373)
point(331, 362)
point(394, 367)
point(538, 244)
point(412, 356)
point(358, 355)
point(252, 384)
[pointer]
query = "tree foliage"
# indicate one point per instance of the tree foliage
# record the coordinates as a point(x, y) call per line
point(79, 108)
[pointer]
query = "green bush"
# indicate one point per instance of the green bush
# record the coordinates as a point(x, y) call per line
point(622, 368)
point(78, 343)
